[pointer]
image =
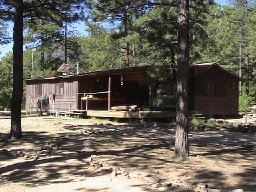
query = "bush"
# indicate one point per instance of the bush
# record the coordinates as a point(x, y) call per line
point(165, 101)
point(245, 102)
point(196, 121)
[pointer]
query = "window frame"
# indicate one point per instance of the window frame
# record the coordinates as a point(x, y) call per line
point(38, 90)
point(59, 89)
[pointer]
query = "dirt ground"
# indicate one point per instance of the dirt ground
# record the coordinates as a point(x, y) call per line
point(81, 155)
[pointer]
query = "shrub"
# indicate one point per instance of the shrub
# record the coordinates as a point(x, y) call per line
point(196, 121)
point(245, 102)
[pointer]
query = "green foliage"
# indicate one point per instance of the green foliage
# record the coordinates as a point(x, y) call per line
point(3, 33)
point(213, 123)
point(231, 42)
point(99, 51)
point(165, 102)
point(27, 12)
point(196, 121)
point(148, 29)
point(6, 82)
point(245, 102)
point(210, 123)
point(122, 15)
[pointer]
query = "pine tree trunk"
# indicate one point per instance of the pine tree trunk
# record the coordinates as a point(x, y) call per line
point(16, 100)
point(181, 139)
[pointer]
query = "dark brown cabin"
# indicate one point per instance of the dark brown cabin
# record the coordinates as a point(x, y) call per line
point(127, 93)
point(213, 90)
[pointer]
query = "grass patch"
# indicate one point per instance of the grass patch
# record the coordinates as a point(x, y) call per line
point(208, 123)
point(197, 122)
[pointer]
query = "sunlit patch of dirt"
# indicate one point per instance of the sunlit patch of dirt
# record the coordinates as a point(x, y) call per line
point(54, 152)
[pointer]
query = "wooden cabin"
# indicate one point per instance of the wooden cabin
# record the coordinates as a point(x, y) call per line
point(213, 90)
point(131, 93)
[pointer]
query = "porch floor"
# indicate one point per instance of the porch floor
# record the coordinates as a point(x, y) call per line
point(115, 114)
point(129, 114)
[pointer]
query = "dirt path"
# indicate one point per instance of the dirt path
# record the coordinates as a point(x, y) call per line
point(79, 155)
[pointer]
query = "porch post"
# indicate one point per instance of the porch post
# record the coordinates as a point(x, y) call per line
point(109, 93)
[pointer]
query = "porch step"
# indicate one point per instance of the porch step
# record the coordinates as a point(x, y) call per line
point(69, 113)
point(197, 115)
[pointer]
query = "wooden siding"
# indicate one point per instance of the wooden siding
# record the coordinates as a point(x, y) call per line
point(67, 101)
point(216, 105)
point(221, 81)
point(225, 99)
point(212, 75)
point(128, 87)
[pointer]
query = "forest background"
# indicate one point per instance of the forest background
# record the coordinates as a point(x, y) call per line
point(130, 35)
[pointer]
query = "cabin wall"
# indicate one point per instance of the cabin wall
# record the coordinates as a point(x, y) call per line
point(216, 93)
point(65, 101)
point(211, 92)
point(216, 105)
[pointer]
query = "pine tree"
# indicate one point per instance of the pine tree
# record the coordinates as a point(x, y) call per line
point(20, 11)
point(181, 138)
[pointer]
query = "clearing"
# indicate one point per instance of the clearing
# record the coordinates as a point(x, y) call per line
point(65, 154)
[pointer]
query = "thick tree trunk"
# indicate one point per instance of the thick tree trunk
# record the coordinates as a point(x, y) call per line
point(16, 100)
point(181, 139)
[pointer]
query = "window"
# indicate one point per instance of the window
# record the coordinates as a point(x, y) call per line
point(210, 88)
point(38, 90)
point(231, 85)
point(59, 89)
point(232, 88)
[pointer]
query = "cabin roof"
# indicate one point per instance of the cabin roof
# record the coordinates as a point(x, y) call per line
point(195, 69)
point(202, 67)
point(120, 71)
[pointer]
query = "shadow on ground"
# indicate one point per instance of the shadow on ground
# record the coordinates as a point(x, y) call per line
point(147, 148)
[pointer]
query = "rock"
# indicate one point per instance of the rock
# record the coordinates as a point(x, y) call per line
point(151, 179)
point(156, 185)
point(116, 171)
point(198, 189)
point(230, 126)
point(6, 153)
point(97, 164)
point(238, 190)
point(27, 156)
point(106, 169)
point(201, 187)
point(89, 159)
point(167, 184)
point(144, 174)
point(45, 152)
point(214, 190)
point(19, 154)
point(134, 174)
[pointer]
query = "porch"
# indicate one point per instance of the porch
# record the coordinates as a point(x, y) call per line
point(116, 114)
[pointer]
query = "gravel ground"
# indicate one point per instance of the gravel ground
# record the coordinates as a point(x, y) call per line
point(83, 155)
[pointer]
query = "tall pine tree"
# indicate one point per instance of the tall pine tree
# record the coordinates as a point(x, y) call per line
point(20, 11)
point(181, 138)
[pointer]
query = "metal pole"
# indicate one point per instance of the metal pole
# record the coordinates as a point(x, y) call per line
point(32, 63)
point(240, 68)
point(77, 68)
